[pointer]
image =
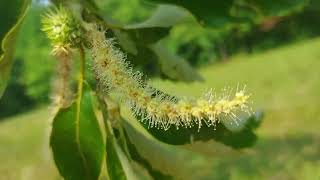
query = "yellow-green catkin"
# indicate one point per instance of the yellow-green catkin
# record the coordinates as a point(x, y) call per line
point(61, 94)
point(158, 110)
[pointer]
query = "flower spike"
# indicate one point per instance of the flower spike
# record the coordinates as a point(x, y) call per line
point(158, 110)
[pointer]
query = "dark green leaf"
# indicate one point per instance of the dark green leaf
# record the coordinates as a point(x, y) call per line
point(126, 42)
point(118, 164)
point(77, 142)
point(156, 174)
point(114, 166)
point(138, 39)
point(278, 8)
point(219, 14)
point(12, 13)
point(158, 25)
point(167, 161)
point(251, 122)
point(164, 16)
point(173, 66)
point(208, 12)
point(147, 36)
point(234, 137)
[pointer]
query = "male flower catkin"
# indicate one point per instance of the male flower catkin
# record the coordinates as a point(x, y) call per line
point(160, 111)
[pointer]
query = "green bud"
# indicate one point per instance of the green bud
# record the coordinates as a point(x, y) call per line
point(62, 28)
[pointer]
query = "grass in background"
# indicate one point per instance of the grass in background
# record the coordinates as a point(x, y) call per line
point(24, 147)
point(284, 82)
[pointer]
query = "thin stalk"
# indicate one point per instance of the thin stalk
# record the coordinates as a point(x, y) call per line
point(78, 101)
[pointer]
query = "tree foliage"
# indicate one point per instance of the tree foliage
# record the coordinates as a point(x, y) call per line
point(129, 149)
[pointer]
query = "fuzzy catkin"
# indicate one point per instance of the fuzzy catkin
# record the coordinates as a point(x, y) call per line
point(61, 92)
point(161, 111)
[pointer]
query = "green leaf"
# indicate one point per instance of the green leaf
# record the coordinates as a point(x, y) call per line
point(120, 167)
point(164, 16)
point(158, 24)
point(237, 137)
point(166, 161)
point(76, 140)
point(156, 174)
point(12, 13)
point(173, 66)
point(279, 8)
point(114, 167)
point(208, 12)
point(147, 36)
point(135, 39)
point(251, 122)
point(220, 14)
point(154, 28)
point(126, 42)
point(138, 39)
point(118, 164)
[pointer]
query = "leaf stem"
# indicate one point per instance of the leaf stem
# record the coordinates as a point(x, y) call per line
point(80, 87)
point(81, 72)
point(80, 83)
point(78, 101)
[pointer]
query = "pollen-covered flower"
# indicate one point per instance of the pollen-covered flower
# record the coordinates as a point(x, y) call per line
point(158, 110)
point(62, 29)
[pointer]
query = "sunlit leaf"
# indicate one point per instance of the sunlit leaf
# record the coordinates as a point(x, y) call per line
point(156, 174)
point(12, 13)
point(158, 24)
point(118, 164)
point(169, 161)
point(77, 142)
point(234, 137)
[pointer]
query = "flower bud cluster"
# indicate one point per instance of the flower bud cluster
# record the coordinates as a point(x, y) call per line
point(62, 29)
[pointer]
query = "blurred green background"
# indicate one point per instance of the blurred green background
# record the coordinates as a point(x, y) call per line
point(277, 59)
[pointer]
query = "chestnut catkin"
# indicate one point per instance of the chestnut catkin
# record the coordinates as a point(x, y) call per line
point(160, 111)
